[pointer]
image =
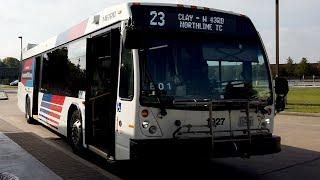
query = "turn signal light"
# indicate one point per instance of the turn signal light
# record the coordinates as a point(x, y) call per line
point(144, 113)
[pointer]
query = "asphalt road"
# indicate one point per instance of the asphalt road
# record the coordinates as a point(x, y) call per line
point(299, 159)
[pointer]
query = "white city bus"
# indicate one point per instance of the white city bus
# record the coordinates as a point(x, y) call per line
point(141, 78)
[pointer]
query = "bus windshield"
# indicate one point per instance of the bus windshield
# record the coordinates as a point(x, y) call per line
point(201, 69)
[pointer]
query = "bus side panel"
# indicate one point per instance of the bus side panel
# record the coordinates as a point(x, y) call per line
point(126, 115)
point(53, 111)
point(22, 93)
point(25, 86)
point(63, 123)
point(125, 127)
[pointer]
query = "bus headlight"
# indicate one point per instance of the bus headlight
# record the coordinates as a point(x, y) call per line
point(265, 123)
point(145, 124)
point(152, 129)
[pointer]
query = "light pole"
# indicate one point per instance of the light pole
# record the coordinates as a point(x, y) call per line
point(277, 38)
point(20, 37)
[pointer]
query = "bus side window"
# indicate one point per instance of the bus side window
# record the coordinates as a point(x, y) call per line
point(126, 75)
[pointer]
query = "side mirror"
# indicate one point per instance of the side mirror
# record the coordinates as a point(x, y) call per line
point(129, 38)
point(133, 38)
point(281, 89)
point(281, 86)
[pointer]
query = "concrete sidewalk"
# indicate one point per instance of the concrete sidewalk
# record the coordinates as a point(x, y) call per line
point(299, 114)
point(17, 161)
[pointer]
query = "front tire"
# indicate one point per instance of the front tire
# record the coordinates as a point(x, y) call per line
point(76, 135)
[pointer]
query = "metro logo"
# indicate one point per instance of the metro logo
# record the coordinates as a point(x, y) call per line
point(27, 73)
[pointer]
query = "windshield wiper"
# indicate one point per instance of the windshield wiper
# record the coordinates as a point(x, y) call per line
point(192, 102)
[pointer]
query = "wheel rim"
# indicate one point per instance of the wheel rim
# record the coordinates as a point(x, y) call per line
point(76, 132)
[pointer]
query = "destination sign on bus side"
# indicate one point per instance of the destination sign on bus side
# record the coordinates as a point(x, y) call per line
point(171, 18)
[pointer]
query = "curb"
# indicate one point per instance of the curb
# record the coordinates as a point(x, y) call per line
point(300, 114)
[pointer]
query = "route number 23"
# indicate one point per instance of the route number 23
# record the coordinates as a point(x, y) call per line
point(157, 18)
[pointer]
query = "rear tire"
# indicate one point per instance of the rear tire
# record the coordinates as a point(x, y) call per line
point(76, 135)
point(30, 120)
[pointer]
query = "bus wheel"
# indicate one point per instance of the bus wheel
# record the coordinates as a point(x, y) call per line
point(76, 132)
point(27, 112)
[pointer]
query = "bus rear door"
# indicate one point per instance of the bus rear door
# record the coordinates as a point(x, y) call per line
point(36, 86)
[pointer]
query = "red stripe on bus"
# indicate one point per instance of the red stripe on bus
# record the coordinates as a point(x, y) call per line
point(24, 81)
point(53, 121)
point(54, 115)
point(55, 108)
point(57, 99)
point(50, 120)
point(77, 30)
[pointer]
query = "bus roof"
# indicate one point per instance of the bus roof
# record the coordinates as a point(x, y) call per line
point(98, 21)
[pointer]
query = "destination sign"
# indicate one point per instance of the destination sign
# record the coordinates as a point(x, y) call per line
point(187, 19)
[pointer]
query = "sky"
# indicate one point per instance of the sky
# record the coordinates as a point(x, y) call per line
point(38, 20)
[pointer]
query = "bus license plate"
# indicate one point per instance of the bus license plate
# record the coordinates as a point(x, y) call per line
point(243, 121)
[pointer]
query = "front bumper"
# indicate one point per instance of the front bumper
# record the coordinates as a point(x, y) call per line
point(202, 147)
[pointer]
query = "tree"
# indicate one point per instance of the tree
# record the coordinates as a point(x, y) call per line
point(303, 68)
point(290, 67)
point(1, 64)
point(11, 62)
point(318, 68)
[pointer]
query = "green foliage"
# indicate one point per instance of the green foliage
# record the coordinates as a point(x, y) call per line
point(4, 87)
point(303, 67)
point(11, 62)
point(4, 81)
point(304, 96)
point(293, 70)
point(303, 100)
point(2, 64)
point(303, 108)
point(290, 67)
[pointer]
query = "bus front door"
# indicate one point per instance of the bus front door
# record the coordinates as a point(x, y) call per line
point(36, 86)
point(102, 80)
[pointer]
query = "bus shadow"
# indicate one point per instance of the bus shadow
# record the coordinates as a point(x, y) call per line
point(290, 163)
point(291, 159)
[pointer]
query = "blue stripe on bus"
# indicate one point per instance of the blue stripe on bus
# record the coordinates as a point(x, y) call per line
point(29, 83)
point(53, 114)
point(44, 111)
point(47, 97)
point(46, 105)
point(62, 38)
